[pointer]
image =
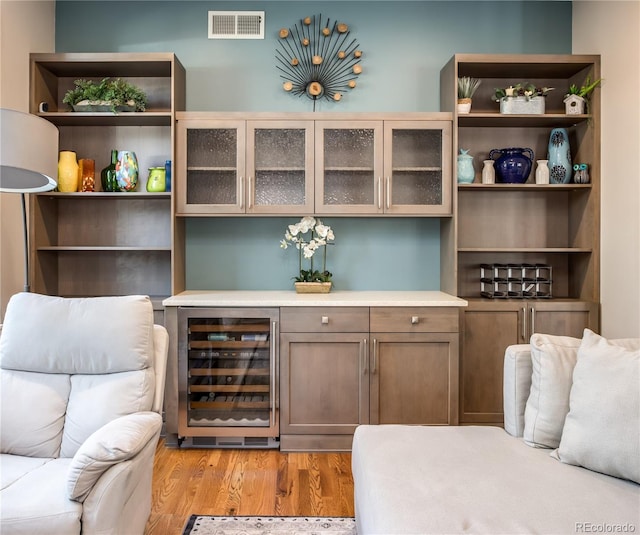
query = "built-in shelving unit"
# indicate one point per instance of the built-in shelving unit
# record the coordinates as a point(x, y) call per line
point(99, 243)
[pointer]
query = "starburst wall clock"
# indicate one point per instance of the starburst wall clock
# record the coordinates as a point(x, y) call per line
point(318, 59)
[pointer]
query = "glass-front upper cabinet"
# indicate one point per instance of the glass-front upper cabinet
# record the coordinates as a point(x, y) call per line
point(417, 167)
point(279, 167)
point(383, 167)
point(348, 168)
point(210, 168)
point(237, 166)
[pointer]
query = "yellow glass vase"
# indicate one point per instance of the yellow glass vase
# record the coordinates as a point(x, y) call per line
point(67, 171)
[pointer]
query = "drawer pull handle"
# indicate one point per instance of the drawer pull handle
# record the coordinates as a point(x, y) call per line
point(415, 320)
point(325, 320)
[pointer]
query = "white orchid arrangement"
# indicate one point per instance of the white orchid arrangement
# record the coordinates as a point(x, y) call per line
point(321, 236)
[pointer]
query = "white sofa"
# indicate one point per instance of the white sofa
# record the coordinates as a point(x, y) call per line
point(487, 480)
point(82, 383)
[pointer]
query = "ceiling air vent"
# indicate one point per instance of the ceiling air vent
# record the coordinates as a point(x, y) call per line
point(236, 24)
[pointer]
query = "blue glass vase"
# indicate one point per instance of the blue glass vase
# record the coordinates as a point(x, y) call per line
point(559, 156)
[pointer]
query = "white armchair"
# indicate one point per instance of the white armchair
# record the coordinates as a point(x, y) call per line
point(82, 384)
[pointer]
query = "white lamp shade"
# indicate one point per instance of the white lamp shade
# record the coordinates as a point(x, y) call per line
point(28, 153)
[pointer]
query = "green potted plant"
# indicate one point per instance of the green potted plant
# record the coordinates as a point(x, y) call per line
point(110, 94)
point(467, 86)
point(522, 98)
point(310, 280)
point(577, 97)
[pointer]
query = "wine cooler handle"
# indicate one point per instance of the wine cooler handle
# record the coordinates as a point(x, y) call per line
point(274, 354)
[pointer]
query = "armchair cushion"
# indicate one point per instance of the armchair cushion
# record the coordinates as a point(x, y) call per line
point(117, 441)
point(602, 429)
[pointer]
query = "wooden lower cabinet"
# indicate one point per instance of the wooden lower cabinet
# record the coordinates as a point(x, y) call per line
point(411, 378)
point(488, 327)
point(332, 381)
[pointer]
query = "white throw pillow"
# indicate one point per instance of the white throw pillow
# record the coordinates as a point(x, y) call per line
point(553, 359)
point(602, 429)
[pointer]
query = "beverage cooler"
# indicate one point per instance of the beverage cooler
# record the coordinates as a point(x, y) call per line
point(228, 377)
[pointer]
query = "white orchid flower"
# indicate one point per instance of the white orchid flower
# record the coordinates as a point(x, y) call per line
point(307, 223)
point(294, 229)
point(284, 244)
point(322, 230)
point(330, 236)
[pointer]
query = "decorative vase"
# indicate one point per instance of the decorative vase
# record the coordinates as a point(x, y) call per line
point(542, 172)
point(464, 106)
point(313, 287)
point(512, 165)
point(559, 157)
point(67, 172)
point(127, 170)
point(167, 175)
point(488, 172)
point(466, 172)
point(87, 175)
point(108, 174)
point(156, 181)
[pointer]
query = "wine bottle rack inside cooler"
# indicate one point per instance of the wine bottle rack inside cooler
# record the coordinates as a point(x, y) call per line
point(229, 364)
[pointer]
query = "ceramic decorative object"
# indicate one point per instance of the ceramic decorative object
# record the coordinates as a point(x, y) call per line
point(574, 105)
point(312, 287)
point(488, 172)
point(581, 173)
point(108, 174)
point(542, 172)
point(157, 179)
point(67, 171)
point(559, 157)
point(466, 172)
point(512, 165)
point(87, 175)
point(167, 175)
point(127, 170)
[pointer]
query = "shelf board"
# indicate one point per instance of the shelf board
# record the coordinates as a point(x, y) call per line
point(354, 169)
point(223, 372)
point(523, 187)
point(99, 248)
point(279, 169)
point(125, 195)
point(525, 250)
point(479, 119)
point(142, 118)
point(212, 168)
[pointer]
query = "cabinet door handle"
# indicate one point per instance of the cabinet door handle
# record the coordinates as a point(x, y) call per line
point(241, 193)
point(363, 355)
point(250, 186)
point(375, 356)
point(388, 195)
point(533, 320)
point(523, 319)
point(379, 193)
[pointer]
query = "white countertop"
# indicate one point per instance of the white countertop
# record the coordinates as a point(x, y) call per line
point(283, 298)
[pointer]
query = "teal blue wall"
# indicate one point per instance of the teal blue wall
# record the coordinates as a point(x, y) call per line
point(405, 45)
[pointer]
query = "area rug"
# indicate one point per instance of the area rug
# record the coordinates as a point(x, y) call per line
point(269, 525)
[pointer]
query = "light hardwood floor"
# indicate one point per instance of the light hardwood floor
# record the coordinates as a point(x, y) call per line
point(246, 482)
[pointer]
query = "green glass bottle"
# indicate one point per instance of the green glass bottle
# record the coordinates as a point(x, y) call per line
point(108, 174)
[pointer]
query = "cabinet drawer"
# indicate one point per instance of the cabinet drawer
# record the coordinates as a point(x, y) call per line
point(414, 319)
point(324, 319)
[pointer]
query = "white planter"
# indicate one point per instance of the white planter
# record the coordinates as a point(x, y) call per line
point(522, 105)
point(464, 106)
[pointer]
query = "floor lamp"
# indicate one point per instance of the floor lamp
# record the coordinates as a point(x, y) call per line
point(28, 162)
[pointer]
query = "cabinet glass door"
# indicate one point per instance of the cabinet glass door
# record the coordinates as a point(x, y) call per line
point(280, 166)
point(417, 167)
point(348, 167)
point(230, 364)
point(211, 161)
